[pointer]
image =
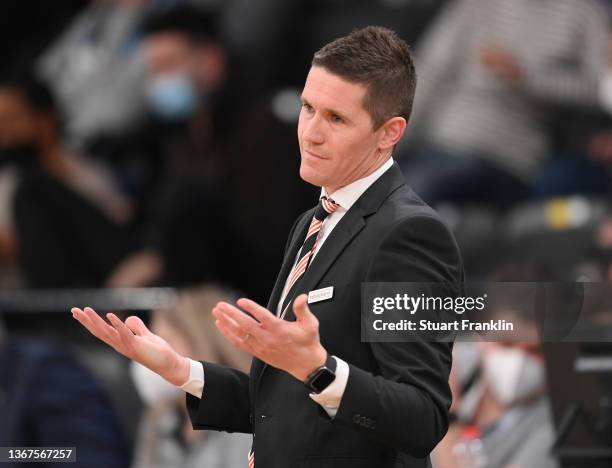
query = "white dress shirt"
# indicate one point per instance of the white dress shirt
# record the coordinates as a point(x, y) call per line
point(346, 197)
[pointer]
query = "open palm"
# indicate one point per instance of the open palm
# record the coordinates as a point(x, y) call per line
point(135, 341)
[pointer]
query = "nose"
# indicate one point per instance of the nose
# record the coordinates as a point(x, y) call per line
point(312, 131)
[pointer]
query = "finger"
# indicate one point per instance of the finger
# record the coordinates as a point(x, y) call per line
point(234, 334)
point(247, 323)
point(125, 334)
point(81, 317)
point(231, 328)
point(230, 325)
point(263, 315)
point(302, 311)
point(218, 313)
point(137, 326)
point(97, 326)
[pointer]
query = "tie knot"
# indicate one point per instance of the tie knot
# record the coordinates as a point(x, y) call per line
point(326, 207)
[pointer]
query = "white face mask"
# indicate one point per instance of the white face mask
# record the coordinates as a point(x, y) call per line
point(512, 374)
point(172, 96)
point(151, 387)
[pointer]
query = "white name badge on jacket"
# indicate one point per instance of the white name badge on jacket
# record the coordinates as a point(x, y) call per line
point(319, 295)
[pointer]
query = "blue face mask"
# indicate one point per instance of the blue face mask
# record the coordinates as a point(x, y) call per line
point(172, 96)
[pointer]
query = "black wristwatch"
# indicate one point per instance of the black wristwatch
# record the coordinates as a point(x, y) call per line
point(323, 376)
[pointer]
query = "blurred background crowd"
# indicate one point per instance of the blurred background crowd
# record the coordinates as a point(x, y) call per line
point(137, 142)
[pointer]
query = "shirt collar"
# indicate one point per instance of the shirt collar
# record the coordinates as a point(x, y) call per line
point(346, 196)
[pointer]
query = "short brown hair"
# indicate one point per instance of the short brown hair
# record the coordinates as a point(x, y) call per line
point(379, 59)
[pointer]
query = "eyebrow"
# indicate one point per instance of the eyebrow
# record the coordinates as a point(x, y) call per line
point(342, 115)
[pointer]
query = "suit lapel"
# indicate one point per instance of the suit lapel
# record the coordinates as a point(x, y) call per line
point(349, 226)
point(258, 366)
point(296, 243)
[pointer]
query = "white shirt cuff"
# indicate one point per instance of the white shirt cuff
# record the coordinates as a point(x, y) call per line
point(331, 397)
point(195, 383)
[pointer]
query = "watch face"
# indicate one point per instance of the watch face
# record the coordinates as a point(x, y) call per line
point(322, 380)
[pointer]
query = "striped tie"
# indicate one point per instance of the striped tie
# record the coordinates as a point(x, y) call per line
point(251, 459)
point(325, 208)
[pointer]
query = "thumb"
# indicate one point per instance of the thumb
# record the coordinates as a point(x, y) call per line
point(137, 326)
point(301, 309)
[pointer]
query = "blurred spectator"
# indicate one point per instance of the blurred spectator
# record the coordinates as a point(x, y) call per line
point(583, 166)
point(598, 142)
point(186, 76)
point(48, 400)
point(166, 439)
point(183, 166)
point(491, 74)
point(95, 69)
point(61, 214)
point(506, 409)
point(500, 399)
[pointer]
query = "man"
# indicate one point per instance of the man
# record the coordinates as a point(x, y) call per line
point(364, 404)
point(178, 150)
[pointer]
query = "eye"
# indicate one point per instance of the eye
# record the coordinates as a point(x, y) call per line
point(336, 119)
point(307, 107)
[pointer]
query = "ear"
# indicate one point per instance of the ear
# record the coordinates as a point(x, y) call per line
point(391, 132)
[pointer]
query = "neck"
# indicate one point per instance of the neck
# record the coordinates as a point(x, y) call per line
point(330, 189)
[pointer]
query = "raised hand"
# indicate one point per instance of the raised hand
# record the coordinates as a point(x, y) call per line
point(135, 341)
point(290, 346)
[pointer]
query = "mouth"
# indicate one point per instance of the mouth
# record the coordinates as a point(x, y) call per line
point(313, 155)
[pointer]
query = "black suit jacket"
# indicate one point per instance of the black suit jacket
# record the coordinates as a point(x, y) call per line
point(395, 406)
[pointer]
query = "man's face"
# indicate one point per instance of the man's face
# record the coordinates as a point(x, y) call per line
point(172, 53)
point(168, 53)
point(337, 142)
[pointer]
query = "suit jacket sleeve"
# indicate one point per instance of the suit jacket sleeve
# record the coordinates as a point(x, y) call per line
point(406, 404)
point(225, 404)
